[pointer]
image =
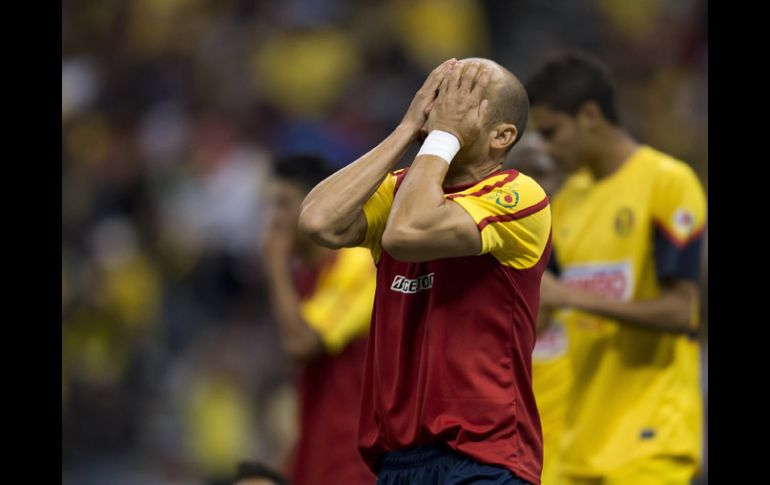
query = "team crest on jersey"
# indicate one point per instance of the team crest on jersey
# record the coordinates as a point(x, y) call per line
point(610, 280)
point(684, 221)
point(505, 198)
point(624, 221)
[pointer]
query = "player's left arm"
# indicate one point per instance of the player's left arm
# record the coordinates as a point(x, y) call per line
point(674, 310)
point(423, 225)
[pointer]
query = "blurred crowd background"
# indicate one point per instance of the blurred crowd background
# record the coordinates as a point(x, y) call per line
point(172, 112)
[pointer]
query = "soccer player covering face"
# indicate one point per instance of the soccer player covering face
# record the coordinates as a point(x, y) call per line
point(627, 232)
point(460, 247)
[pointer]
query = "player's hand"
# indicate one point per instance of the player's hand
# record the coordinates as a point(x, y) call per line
point(421, 105)
point(460, 106)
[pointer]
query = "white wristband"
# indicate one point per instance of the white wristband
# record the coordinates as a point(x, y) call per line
point(441, 144)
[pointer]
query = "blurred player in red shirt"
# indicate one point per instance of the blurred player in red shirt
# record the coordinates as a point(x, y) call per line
point(322, 300)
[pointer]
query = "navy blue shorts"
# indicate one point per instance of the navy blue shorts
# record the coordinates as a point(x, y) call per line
point(438, 465)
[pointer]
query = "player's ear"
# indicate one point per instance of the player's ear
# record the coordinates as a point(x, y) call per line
point(590, 114)
point(502, 136)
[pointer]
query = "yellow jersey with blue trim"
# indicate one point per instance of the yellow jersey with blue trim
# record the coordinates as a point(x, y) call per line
point(636, 391)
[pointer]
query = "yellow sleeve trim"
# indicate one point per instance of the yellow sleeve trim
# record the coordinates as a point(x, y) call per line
point(376, 211)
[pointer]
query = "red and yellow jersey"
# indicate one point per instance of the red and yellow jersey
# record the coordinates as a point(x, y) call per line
point(337, 304)
point(636, 392)
point(451, 341)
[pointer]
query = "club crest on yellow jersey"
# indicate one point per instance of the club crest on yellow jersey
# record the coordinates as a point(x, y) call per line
point(624, 221)
point(508, 199)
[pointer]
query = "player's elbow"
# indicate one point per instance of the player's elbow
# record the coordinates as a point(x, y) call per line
point(401, 242)
point(682, 313)
point(310, 223)
point(300, 351)
point(299, 356)
point(317, 229)
point(683, 318)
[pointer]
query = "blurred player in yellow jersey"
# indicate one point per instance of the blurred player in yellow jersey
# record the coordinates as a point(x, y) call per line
point(322, 301)
point(551, 371)
point(627, 237)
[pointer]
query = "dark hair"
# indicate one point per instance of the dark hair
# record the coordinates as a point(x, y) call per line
point(307, 169)
point(565, 82)
point(250, 469)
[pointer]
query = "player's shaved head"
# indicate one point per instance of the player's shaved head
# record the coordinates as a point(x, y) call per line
point(508, 100)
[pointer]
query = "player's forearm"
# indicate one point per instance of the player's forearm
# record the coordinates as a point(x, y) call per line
point(298, 340)
point(334, 204)
point(419, 201)
point(672, 311)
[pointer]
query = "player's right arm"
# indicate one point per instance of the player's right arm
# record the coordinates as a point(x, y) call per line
point(332, 213)
point(679, 216)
